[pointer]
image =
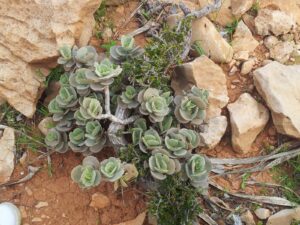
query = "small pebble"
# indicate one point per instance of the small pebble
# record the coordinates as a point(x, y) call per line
point(262, 213)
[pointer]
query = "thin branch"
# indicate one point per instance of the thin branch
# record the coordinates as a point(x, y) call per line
point(107, 100)
point(117, 120)
point(206, 10)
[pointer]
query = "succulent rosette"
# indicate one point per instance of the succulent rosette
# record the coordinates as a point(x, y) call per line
point(77, 140)
point(190, 108)
point(192, 138)
point(90, 108)
point(161, 164)
point(128, 98)
point(66, 59)
point(86, 55)
point(87, 175)
point(79, 81)
point(197, 169)
point(67, 97)
point(150, 140)
point(57, 140)
point(95, 138)
point(176, 143)
point(155, 104)
point(112, 169)
point(126, 50)
point(139, 127)
point(104, 75)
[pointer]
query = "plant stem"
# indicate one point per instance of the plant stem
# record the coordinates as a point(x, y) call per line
point(107, 100)
point(117, 120)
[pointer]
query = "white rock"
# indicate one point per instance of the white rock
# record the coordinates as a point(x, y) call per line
point(270, 41)
point(243, 39)
point(213, 131)
point(262, 213)
point(214, 45)
point(7, 154)
point(31, 33)
point(282, 51)
point(239, 7)
point(247, 66)
point(41, 205)
point(279, 86)
point(273, 22)
point(248, 118)
point(203, 73)
point(9, 214)
point(285, 216)
point(247, 218)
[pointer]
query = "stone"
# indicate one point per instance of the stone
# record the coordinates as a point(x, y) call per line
point(285, 216)
point(279, 84)
point(282, 51)
point(139, 220)
point(239, 7)
point(45, 125)
point(100, 201)
point(247, 66)
point(270, 41)
point(248, 118)
point(248, 218)
point(36, 220)
point(241, 55)
point(214, 45)
point(274, 22)
point(31, 33)
point(41, 205)
point(243, 39)
point(222, 16)
point(262, 213)
point(290, 7)
point(213, 131)
point(203, 73)
point(7, 154)
point(249, 21)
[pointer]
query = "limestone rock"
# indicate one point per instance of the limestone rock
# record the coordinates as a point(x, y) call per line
point(273, 22)
point(31, 33)
point(247, 66)
point(243, 39)
point(270, 41)
point(241, 55)
point(282, 51)
point(279, 85)
point(248, 118)
point(139, 220)
point(212, 132)
point(290, 7)
point(214, 45)
point(203, 73)
point(45, 125)
point(223, 16)
point(285, 216)
point(7, 154)
point(262, 213)
point(100, 201)
point(249, 21)
point(247, 218)
point(239, 7)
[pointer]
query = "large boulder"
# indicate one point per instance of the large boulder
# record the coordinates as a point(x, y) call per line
point(203, 73)
point(248, 118)
point(214, 45)
point(275, 22)
point(286, 216)
point(31, 33)
point(7, 154)
point(279, 85)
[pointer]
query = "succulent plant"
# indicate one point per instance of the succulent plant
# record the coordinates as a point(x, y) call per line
point(112, 169)
point(64, 125)
point(95, 138)
point(57, 111)
point(192, 138)
point(64, 80)
point(197, 169)
point(166, 124)
point(128, 98)
point(126, 50)
point(86, 55)
point(79, 81)
point(138, 129)
point(87, 175)
point(67, 97)
point(77, 140)
point(90, 108)
point(191, 107)
point(176, 142)
point(162, 165)
point(57, 140)
point(155, 104)
point(104, 74)
point(150, 140)
point(66, 58)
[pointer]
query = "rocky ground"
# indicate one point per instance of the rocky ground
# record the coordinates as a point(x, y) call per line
point(250, 70)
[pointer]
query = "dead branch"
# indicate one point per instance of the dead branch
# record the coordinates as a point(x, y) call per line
point(207, 219)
